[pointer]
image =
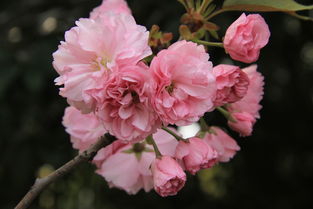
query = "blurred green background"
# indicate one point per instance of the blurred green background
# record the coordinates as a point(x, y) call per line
point(274, 169)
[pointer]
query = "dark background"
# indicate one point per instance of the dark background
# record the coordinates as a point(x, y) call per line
point(274, 169)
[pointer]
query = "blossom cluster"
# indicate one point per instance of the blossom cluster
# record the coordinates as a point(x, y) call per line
point(112, 89)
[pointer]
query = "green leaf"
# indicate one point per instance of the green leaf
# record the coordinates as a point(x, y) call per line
point(138, 155)
point(264, 6)
point(301, 17)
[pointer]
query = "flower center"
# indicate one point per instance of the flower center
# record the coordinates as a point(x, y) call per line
point(170, 88)
point(135, 97)
point(100, 63)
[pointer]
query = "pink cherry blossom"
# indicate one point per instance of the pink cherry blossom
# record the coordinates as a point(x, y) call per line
point(168, 176)
point(231, 82)
point(245, 37)
point(196, 154)
point(107, 151)
point(113, 162)
point(166, 142)
point(225, 145)
point(85, 129)
point(116, 6)
point(123, 104)
point(246, 110)
point(92, 50)
point(184, 85)
point(125, 171)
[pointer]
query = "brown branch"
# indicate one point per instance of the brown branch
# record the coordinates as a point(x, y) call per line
point(42, 183)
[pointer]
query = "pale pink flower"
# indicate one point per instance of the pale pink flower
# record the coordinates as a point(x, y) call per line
point(184, 85)
point(123, 104)
point(168, 176)
point(225, 145)
point(84, 129)
point(93, 49)
point(126, 171)
point(196, 154)
point(246, 110)
point(231, 83)
point(116, 6)
point(113, 162)
point(166, 142)
point(245, 37)
point(107, 151)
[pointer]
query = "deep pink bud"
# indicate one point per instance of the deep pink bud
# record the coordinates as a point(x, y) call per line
point(168, 176)
point(244, 123)
point(246, 37)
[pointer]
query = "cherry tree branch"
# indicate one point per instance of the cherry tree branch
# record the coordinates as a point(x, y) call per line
point(41, 183)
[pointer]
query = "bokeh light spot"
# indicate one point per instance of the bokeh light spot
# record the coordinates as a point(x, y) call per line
point(49, 25)
point(307, 53)
point(45, 170)
point(15, 35)
point(292, 25)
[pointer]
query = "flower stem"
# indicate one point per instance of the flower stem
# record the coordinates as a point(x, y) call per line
point(157, 152)
point(191, 4)
point(183, 2)
point(203, 125)
point(226, 114)
point(204, 5)
point(207, 43)
point(177, 137)
point(216, 13)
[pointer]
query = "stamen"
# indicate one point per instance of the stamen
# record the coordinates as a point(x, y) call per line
point(100, 63)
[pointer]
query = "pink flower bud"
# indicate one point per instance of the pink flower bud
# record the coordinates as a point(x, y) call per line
point(245, 37)
point(246, 110)
point(232, 84)
point(168, 176)
point(244, 123)
point(196, 154)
